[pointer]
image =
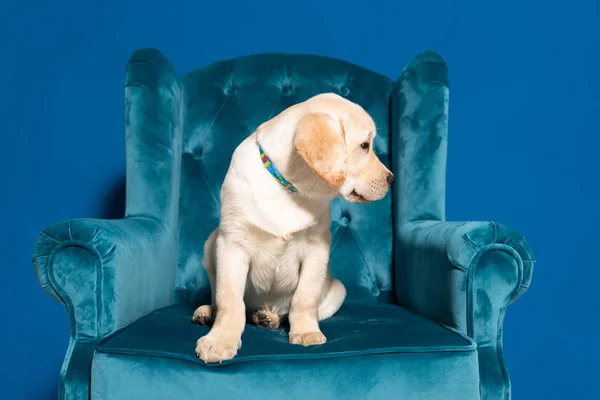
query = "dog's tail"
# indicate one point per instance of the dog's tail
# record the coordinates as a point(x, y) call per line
point(333, 300)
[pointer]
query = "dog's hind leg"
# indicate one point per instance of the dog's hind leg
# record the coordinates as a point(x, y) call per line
point(265, 319)
point(205, 315)
point(332, 300)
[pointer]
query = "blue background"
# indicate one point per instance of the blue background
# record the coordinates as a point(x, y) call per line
point(523, 146)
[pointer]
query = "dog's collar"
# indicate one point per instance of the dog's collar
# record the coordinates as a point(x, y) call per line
point(273, 171)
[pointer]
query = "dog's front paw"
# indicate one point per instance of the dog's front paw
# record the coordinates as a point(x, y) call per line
point(308, 338)
point(212, 348)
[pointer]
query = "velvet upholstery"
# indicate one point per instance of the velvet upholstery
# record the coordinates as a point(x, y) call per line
point(426, 298)
point(475, 270)
point(369, 348)
point(107, 274)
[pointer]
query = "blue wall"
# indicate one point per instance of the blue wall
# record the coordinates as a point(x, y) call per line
point(523, 146)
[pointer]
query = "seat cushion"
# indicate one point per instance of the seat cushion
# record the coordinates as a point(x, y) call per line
point(373, 351)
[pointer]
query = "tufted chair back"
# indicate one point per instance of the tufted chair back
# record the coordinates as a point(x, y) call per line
point(182, 130)
point(226, 102)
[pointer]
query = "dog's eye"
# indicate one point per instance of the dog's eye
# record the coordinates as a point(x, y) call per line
point(365, 145)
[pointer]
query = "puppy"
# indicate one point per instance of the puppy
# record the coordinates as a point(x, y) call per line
point(270, 254)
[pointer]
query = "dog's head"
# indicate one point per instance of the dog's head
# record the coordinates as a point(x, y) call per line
point(334, 136)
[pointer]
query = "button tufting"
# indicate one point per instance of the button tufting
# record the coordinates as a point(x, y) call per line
point(230, 90)
point(344, 90)
point(345, 220)
point(287, 89)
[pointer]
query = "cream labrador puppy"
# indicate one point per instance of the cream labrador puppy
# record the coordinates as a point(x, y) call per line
point(269, 257)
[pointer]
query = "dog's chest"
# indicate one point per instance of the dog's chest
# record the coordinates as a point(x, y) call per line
point(283, 218)
point(285, 214)
point(274, 269)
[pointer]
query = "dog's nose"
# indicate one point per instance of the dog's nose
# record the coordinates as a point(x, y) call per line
point(391, 179)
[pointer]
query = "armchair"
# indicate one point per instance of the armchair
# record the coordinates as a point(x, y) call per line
point(426, 298)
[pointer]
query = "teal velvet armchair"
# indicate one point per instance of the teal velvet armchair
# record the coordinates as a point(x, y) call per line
point(426, 298)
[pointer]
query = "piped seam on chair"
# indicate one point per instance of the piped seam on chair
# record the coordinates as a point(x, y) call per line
point(470, 345)
point(499, 348)
point(470, 305)
point(498, 247)
point(49, 237)
point(67, 300)
point(513, 246)
point(289, 357)
point(99, 276)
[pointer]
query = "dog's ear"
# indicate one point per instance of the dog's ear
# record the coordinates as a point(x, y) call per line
point(320, 142)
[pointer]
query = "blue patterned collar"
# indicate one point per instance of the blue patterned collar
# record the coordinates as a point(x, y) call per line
point(273, 171)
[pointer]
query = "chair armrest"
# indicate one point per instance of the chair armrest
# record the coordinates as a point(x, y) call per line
point(107, 274)
point(465, 274)
point(437, 262)
point(154, 119)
